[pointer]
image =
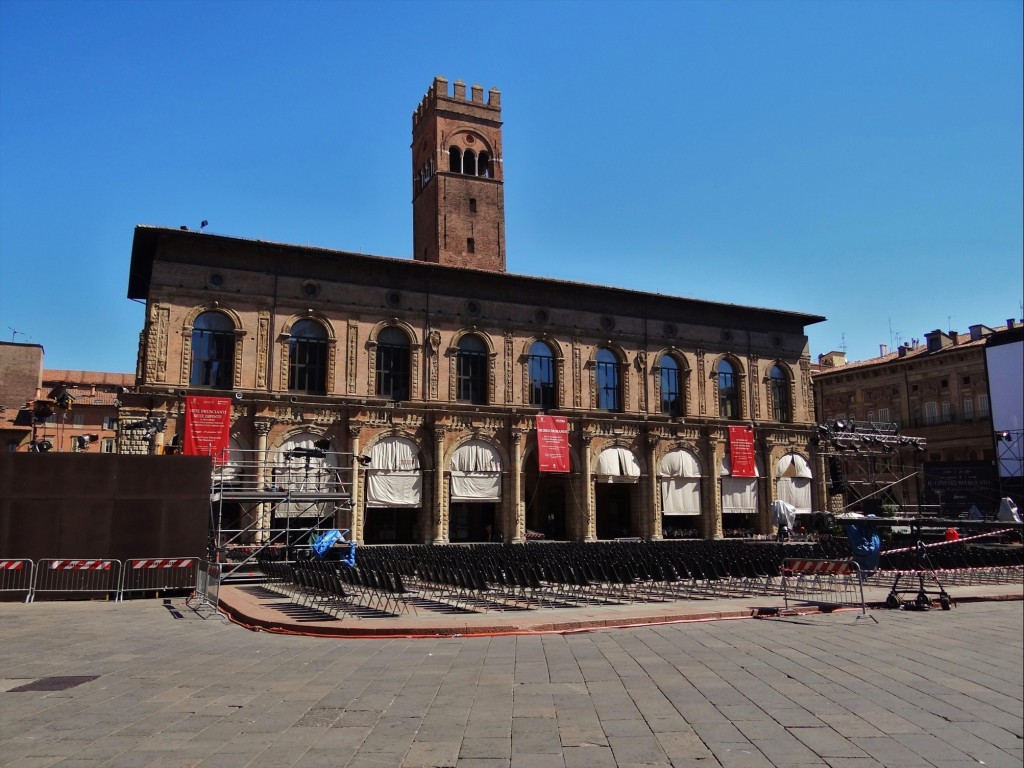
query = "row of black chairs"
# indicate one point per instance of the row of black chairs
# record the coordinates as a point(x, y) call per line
point(480, 577)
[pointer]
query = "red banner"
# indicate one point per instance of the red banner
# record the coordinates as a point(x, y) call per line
point(553, 443)
point(741, 452)
point(208, 427)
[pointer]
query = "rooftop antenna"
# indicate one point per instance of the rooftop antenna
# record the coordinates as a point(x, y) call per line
point(14, 332)
point(949, 323)
point(843, 345)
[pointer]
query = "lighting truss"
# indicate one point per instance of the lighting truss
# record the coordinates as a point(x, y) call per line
point(870, 458)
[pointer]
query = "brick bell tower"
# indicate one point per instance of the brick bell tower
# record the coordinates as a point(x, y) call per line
point(458, 197)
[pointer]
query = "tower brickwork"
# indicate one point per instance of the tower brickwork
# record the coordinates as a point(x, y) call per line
point(458, 197)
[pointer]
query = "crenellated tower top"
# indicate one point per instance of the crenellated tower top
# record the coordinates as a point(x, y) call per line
point(458, 194)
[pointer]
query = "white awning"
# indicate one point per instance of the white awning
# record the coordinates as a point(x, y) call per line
point(679, 480)
point(679, 463)
point(393, 478)
point(793, 465)
point(618, 462)
point(739, 495)
point(475, 472)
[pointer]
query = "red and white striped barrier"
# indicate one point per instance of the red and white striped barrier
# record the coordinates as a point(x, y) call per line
point(176, 562)
point(820, 566)
point(16, 576)
point(81, 565)
point(76, 577)
point(947, 543)
point(158, 574)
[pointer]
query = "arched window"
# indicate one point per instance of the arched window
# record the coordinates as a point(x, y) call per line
point(541, 364)
point(393, 356)
point(483, 165)
point(469, 162)
point(307, 358)
point(213, 351)
point(728, 394)
point(608, 374)
point(471, 370)
point(781, 406)
point(671, 387)
point(455, 160)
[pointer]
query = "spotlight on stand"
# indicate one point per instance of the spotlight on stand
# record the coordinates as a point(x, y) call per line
point(364, 460)
point(1004, 437)
point(307, 453)
point(323, 444)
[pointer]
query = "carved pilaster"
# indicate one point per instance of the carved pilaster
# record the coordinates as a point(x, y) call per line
point(239, 335)
point(434, 352)
point(352, 357)
point(509, 366)
point(577, 375)
point(702, 405)
point(806, 391)
point(492, 377)
point(755, 380)
point(641, 369)
point(332, 364)
point(415, 366)
point(156, 353)
point(262, 348)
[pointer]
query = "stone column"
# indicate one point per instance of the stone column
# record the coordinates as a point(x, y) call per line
point(518, 530)
point(589, 511)
point(652, 517)
point(440, 513)
point(713, 518)
point(357, 512)
point(263, 509)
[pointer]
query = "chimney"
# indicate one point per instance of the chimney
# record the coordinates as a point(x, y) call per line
point(883, 350)
point(1011, 323)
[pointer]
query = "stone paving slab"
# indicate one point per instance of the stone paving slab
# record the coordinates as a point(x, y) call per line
point(934, 689)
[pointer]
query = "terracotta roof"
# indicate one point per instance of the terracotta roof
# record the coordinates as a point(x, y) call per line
point(87, 378)
point(962, 341)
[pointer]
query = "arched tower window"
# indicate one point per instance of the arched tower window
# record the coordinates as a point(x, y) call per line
point(541, 362)
point(455, 160)
point(393, 364)
point(671, 387)
point(608, 375)
point(778, 381)
point(471, 370)
point(213, 351)
point(307, 358)
point(728, 394)
point(469, 162)
point(483, 165)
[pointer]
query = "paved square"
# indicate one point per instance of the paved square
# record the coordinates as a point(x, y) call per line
point(132, 684)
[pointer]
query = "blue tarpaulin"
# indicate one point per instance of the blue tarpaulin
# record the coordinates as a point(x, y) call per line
point(865, 543)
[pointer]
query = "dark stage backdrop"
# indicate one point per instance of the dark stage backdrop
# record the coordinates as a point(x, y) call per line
point(103, 505)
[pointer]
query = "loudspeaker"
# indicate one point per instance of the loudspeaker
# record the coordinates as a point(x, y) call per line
point(238, 395)
point(293, 399)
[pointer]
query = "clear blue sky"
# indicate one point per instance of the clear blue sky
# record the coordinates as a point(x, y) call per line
point(858, 160)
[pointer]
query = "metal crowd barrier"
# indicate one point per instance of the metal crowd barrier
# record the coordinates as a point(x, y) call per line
point(76, 576)
point(207, 594)
point(158, 574)
point(16, 576)
point(824, 582)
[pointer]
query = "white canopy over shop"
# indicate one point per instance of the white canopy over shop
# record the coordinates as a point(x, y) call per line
point(739, 494)
point(617, 464)
point(475, 472)
point(679, 477)
point(393, 477)
point(793, 481)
